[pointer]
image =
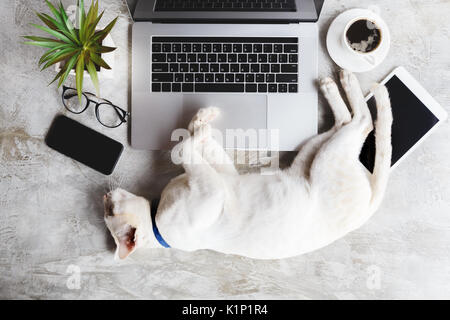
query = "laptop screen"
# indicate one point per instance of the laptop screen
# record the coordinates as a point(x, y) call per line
point(226, 11)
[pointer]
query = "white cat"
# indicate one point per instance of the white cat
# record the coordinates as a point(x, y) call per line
point(325, 194)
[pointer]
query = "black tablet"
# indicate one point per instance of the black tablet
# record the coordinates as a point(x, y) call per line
point(415, 113)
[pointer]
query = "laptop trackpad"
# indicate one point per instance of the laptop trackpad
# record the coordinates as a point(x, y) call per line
point(155, 120)
point(236, 111)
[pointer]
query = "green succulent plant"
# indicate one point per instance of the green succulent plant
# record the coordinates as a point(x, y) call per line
point(79, 48)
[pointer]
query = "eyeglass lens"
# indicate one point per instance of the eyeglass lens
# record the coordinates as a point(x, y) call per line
point(106, 113)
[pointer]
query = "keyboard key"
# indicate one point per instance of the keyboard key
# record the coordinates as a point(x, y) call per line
point(171, 57)
point(293, 58)
point(173, 67)
point(234, 67)
point(249, 77)
point(252, 58)
point(221, 57)
point(218, 77)
point(229, 77)
point(209, 77)
point(224, 68)
point(160, 67)
point(250, 87)
point(178, 77)
point(156, 47)
point(262, 87)
point(219, 87)
point(196, 47)
point(232, 57)
point(192, 57)
point(267, 48)
point(272, 87)
point(293, 87)
point(184, 67)
point(217, 47)
point(227, 47)
point(239, 77)
point(291, 48)
point(282, 58)
point(181, 57)
point(265, 68)
point(187, 47)
point(242, 58)
point(287, 77)
point(156, 87)
point(257, 48)
point(204, 67)
point(176, 87)
point(166, 87)
point(289, 68)
point(270, 77)
point(262, 58)
point(254, 68)
point(162, 77)
point(214, 67)
point(201, 57)
point(166, 47)
point(245, 68)
point(247, 48)
point(237, 48)
point(274, 68)
point(199, 77)
point(159, 57)
point(188, 77)
point(273, 58)
point(278, 48)
point(282, 87)
point(207, 47)
point(260, 77)
point(188, 87)
point(212, 57)
point(176, 47)
point(193, 67)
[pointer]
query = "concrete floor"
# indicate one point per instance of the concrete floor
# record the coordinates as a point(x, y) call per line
point(51, 226)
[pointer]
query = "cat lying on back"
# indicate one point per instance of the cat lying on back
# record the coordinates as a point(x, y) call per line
point(325, 194)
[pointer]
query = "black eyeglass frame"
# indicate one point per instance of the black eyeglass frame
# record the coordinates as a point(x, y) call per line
point(120, 112)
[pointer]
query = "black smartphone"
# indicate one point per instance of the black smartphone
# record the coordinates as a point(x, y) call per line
point(83, 144)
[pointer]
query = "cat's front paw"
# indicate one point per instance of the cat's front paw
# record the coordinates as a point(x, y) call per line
point(348, 80)
point(203, 117)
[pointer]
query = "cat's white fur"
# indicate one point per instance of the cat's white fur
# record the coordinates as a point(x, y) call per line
point(325, 194)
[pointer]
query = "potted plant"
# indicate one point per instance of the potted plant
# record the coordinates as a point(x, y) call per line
point(74, 48)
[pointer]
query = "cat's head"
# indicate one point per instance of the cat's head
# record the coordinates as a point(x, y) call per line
point(128, 219)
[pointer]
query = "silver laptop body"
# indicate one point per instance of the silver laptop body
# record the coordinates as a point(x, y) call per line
point(258, 66)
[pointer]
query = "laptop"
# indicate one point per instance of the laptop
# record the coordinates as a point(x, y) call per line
point(256, 60)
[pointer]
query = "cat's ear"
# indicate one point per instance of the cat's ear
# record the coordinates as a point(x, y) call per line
point(126, 241)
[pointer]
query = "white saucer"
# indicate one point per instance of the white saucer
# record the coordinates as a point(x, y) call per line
point(339, 53)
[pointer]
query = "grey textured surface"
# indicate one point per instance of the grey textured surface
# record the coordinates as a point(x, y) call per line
point(51, 208)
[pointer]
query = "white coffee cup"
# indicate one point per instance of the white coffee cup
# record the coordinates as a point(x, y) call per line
point(376, 21)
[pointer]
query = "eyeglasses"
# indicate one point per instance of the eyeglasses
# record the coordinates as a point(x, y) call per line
point(107, 113)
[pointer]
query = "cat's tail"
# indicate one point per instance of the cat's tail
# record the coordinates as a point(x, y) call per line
point(383, 155)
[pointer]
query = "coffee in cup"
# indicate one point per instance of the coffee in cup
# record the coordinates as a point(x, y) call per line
point(363, 36)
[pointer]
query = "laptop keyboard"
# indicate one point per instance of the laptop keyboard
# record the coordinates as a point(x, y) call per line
point(221, 64)
point(225, 5)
